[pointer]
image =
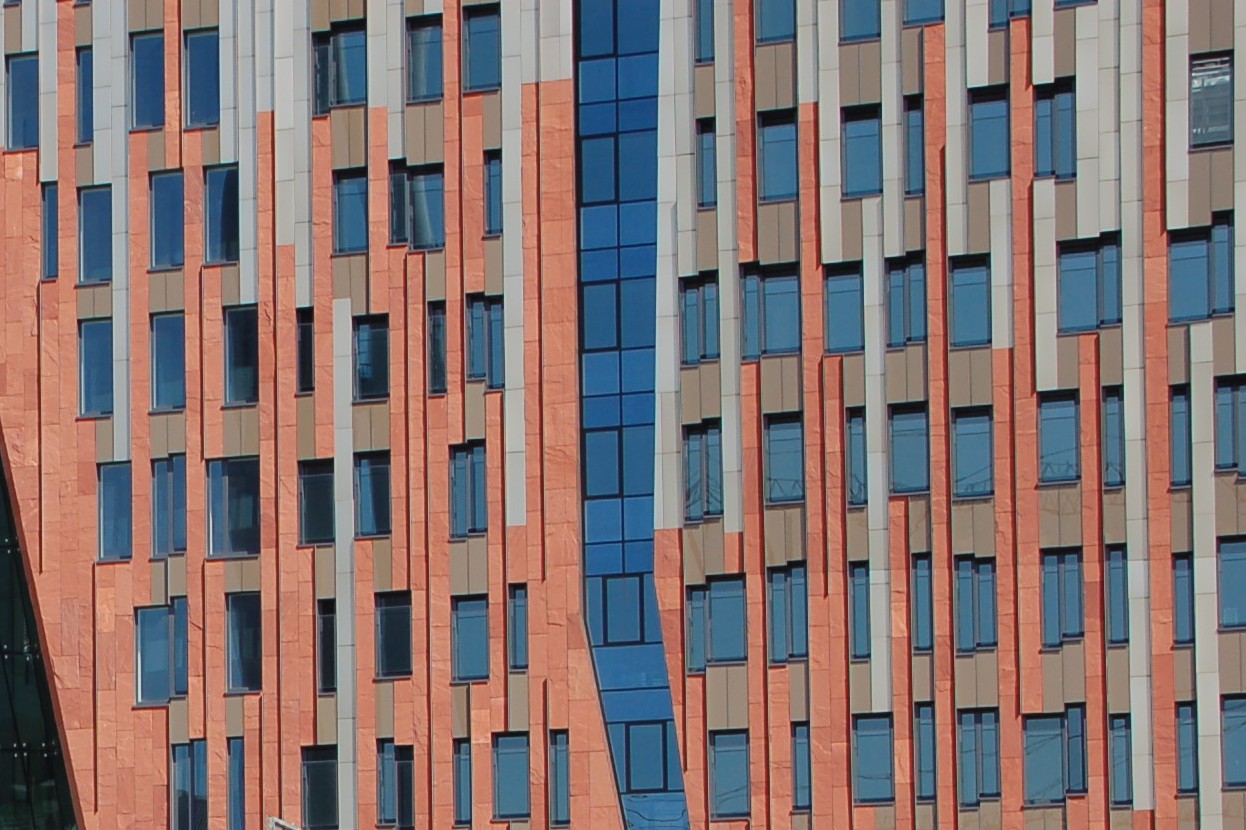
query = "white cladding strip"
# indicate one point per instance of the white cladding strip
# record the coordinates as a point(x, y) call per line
point(956, 154)
point(557, 46)
point(292, 126)
point(1106, 115)
point(390, 39)
point(246, 149)
point(1001, 266)
point(1046, 320)
point(514, 295)
point(46, 43)
point(1177, 111)
point(1239, 180)
point(830, 185)
point(892, 161)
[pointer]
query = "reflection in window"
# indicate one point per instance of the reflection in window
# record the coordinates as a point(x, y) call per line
point(95, 234)
point(189, 783)
point(857, 468)
point(95, 395)
point(873, 759)
point(978, 749)
point(972, 452)
point(511, 777)
point(976, 625)
point(393, 634)
point(147, 79)
point(115, 520)
point(23, 90)
point(424, 59)
point(1063, 616)
point(234, 506)
point(770, 314)
point(971, 303)
point(168, 505)
point(350, 212)
point(245, 643)
point(1055, 127)
point(341, 64)
point(242, 377)
point(371, 353)
point(698, 318)
point(863, 151)
point(220, 215)
point(1089, 283)
point(319, 787)
point(203, 78)
point(988, 134)
point(1058, 441)
point(1211, 100)
point(729, 777)
point(469, 505)
point(703, 470)
point(910, 449)
point(777, 157)
point(315, 502)
point(482, 48)
point(845, 310)
point(785, 459)
point(469, 638)
point(1200, 271)
point(372, 494)
point(789, 613)
point(168, 222)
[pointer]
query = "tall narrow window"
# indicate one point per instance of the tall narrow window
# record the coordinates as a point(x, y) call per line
point(697, 634)
point(924, 751)
point(306, 347)
point(95, 397)
point(462, 782)
point(234, 506)
point(235, 751)
point(845, 310)
point(485, 339)
point(511, 777)
point(729, 777)
point(23, 89)
point(469, 509)
point(703, 20)
point(1183, 599)
point(203, 78)
point(859, 609)
point(469, 638)
point(707, 161)
point(493, 193)
point(1001, 11)
point(372, 494)
point(395, 785)
point(393, 634)
point(1211, 100)
point(975, 604)
point(326, 646)
point(115, 520)
point(789, 613)
point(160, 652)
point(906, 302)
point(785, 460)
point(802, 786)
point(863, 156)
point(559, 778)
point(189, 786)
point(923, 604)
point(1120, 753)
point(777, 159)
point(1063, 618)
point(1233, 715)
point(873, 759)
point(424, 59)
point(1089, 285)
point(350, 212)
point(978, 749)
point(973, 452)
point(147, 80)
point(517, 628)
point(1117, 588)
point(319, 787)
point(220, 213)
point(1187, 749)
point(168, 505)
point(84, 96)
point(698, 318)
point(855, 462)
point(242, 375)
point(917, 12)
point(1113, 437)
point(703, 471)
point(371, 353)
point(95, 234)
point(1232, 575)
point(49, 245)
point(1200, 271)
point(1045, 762)
point(168, 222)
point(1058, 439)
point(971, 303)
point(988, 134)
point(1180, 439)
point(1055, 126)
point(436, 347)
point(915, 143)
point(728, 640)
point(426, 193)
point(482, 48)
point(341, 69)
point(770, 314)
point(910, 450)
point(245, 644)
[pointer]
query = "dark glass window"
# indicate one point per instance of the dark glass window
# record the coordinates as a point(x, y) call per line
point(1233, 713)
point(95, 234)
point(698, 318)
point(859, 19)
point(189, 786)
point(469, 638)
point(236, 802)
point(115, 520)
point(1181, 438)
point(316, 502)
point(777, 157)
point(775, 21)
point(517, 628)
point(729, 777)
point(168, 505)
point(1058, 439)
point(1183, 599)
point(1089, 282)
point(436, 347)
point(1120, 761)
point(975, 604)
point(973, 452)
point(372, 494)
point(559, 778)
point(1055, 128)
point(770, 315)
point(23, 88)
point(1200, 271)
point(393, 634)
point(727, 640)
point(697, 633)
point(1211, 100)
point(305, 321)
point(395, 785)
point(203, 78)
point(493, 192)
point(220, 215)
point(485, 340)
point(906, 302)
point(234, 506)
point(84, 96)
point(1232, 577)
point(979, 755)
point(510, 777)
point(648, 762)
point(242, 377)
point(873, 756)
point(789, 613)
point(988, 134)
point(845, 310)
point(326, 646)
point(160, 667)
point(371, 352)
point(424, 59)
point(1001, 11)
point(147, 80)
point(1063, 617)
point(917, 12)
point(482, 48)
point(703, 20)
point(168, 222)
point(1044, 759)
point(95, 368)
point(857, 470)
point(245, 641)
point(49, 244)
point(341, 69)
point(350, 212)
point(924, 750)
point(910, 450)
point(802, 778)
point(319, 787)
point(469, 506)
point(923, 604)
point(1117, 589)
point(1113, 437)
point(971, 303)
point(785, 459)
point(915, 136)
point(462, 782)
point(703, 471)
point(1187, 749)
point(863, 151)
point(1231, 424)
point(707, 163)
point(859, 609)
point(426, 193)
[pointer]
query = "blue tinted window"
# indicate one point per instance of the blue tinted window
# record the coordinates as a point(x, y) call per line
point(988, 139)
point(470, 638)
point(697, 633)
point(462, 782)
point(493, 193)
point(428, 209)
point(203, 78)
point(703, 19)
point(23, 88)
point(863, 152)
point(1078, 285)
point(845, 312)
point(1113, 437)
point(707, 172)
point(482, 49)
point(778, 158)
point(698, 319)
point(517, 628)
point(1058, 440)
point(485, 340)
point(785, 460)
point(346, 70)
point(1222, 258)
point(436, 348)
point(924, 751)
point(781, 315)
point(168, 505)
point(915, 138)
point(979, 755)
point(245, 643)
point(350, 212)
point(372, 494)
point(220, 215)
point(729, 775)
point(319, 787)
point(95, 372)
point(84, 96)
point(1063, 619)
point(395, 794)
point(559, 779)
point(168, 222)
point(510, 777)
point(424, 59)
point(168, 361)
point(1180, 440)
point(788, 609)
point(147, 75)
point(95, 234)
point(859, 608)
point(1183, 599)
point(1187, 749)
point(971, 304)
point(1211, 100)
point(922, 11)
point(776, 20)
point(189, 783)
point(906, 303)
point(1120, 760)
point(727, 641)
point(1230, 403)
point(1044, 759)
point(802, 788)
point(371, 356)
point(859, 19)
point(50, 234)
point(702, 472)
point(973, 452)
point(1232, 577)
point(241, 355)
point(857, 468)
point(872, 759)
point(1234, 731)
point(1075, 748)
point(1189, 288)
point(1117, 595)
point(910, 451)
point(468, 500)
point(1001, 11)
point(237, 795)
point(115, 524)
point(923, 604)
point(234, 506)
point(1055, 123)
point(316, 521)
point(975, 604)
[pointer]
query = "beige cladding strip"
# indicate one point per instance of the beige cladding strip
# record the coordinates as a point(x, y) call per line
point(1043, 41)
point(957, 153)
point(1107, 111)
point(892, 135)
point(46, 44)
point(830, 181)
point(1088, 55)
point(1177, 111)
point(245, 146)
point(1046, 322)
point(1001, 265)
point(1239, 179)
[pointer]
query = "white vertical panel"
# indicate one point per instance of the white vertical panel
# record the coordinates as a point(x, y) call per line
point(957, 155)
point(1177, 111)
point(513, 294)
point(48, 148)
point(830, 182)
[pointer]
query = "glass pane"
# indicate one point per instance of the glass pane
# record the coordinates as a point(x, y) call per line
point(845, 326)
point(221, 214)
point(727, 621)
point(971, 306)
point(168, 203)
point(785, 475)
point(203, 78)
point(424, 62)
point(989, 144)
point(95, 236)
point(350, 68)
point(863, 173)
point(1079, 290)
point(1044, 760)
point(873, 762)
point(168, 334)
point(350, 214)
point(1058, 440)
point(147, 72)
point(154, 649)
point(483, 51)
point(778, 162)
point(910, 452)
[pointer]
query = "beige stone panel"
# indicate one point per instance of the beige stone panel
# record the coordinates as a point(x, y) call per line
point(1053, 680)
point(82, 25)
point(347, 128)
point(1049, 518)
point(1187, 812)
point(460, 711)
point(763, 79)
point(478, 564)
point(703, 90)
point(1223, 347)
point(693, 556)
point(895, 372)
point(158, 437)
point(1198, 18)
point(984, 527)
point(1044, 818)
point(384, 709)
point(1120, 818)
point(962, 527)
point(969, 819)
point(1240, 492)
point(979, 222)
point(210, 141)
point(156, 150)
point(1226, 504)
point(1068, 367)
point(885, 817)
point(857, 535)
point(414, 7)
point(854, 380)
point(919, 524)
point(850, 74)
point(460, 582)
point(1073, 671)
point(171, 286)
point(492, 112)
point(493, 266)
point(784, 74)
point(777, 232)
point(711, 390)
point(794, 519)
point(986, 667)
point(707, 239)
point(340, 10)
point(517, 702)
point(382, 564)
point(983, 388)
point(1182, 520)
point(326, 585)
point(714, 551)
point(869, 72)
point(103, 440)
point(175, 424)
point(912, 80)
point(474, 410)
point(851, 239)
point(915, 374)
point(1221, 177)
point(801, 821)
point(997, 57)
point(84, 160)
point(1114, 517)
point(1232, 678)
point(923, 678)
point(94, 301)
point(13, 29)
point(1111, 357)
point(176, 573)
point(798, 691)
point(179, 720)
point(434, 132)
point(859, 687)
point(1233, 806)
point(726, 697)
point(1183, 673)
point(914, 223)
point(305, 418)
point(249, 431)
point(1070, 516)
point(435, 275)
point(775, 535)
point(690, 395)
point(1066, 211)
point(159, 581)
point(1198, 191)
point(960, 377)
point(1065, 31)
point(966, 672)
point(780, 384)
point(231, 433)
point(1222, 25)
point(230, 290)
point(1118, 680)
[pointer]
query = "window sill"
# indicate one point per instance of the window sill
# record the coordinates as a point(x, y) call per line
point(198, 128)
point(990, 177)
point(481, 90)
point(240, 405)
point(326, 693)
point(82, 145)
point(977, 344)
point(164, 557)
point(304, 393)
point(1217, 145)
point(859, 197)
point(166, 269)
point(312, 544)
point(371, 537)
point(241, 692)
point(777, 200)
point(845, 41)
point(469, 681)
point(1045, 484)
point(424, 249)
point(487, 235)
point(683, 364)
point(471, 534)
point(874, 802)
point(96, 283)
point(845, 352)
point(1044, 805)
point(166, 410)
point(914, 24)
point(350, 253)
point(149, 128)
point(428, 99)
point(716, 663)
point(923, 491)
point(1117, 646)
point(387, 678)
point(94, 416)
point(782, 39)
point(959, 498)
point(377, 399)
point(784, 502)
point(219, 263)
point(149, 705)
point(226, 557)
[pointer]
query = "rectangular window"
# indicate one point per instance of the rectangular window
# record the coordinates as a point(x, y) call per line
point(707, 164)
point(245, 642)
point(857, 467)
point(462, 782)
point(1063, 618)
point(350, 212)
point(859, 608)
point(1200, 271)
point(510, 777)
point(923, 604)
point(316, 525)
point(399, 204)
point(424, 59)
point(873, 759)
point(242, 376)
point(770, 316)
point(698, 318)
point(650, 765)
point(517, 628)
point(372, 494)
point(1232, 564)
point(147, 81)
point(559, 778)
point(1089, 285)
point(703, 20)
point(395, 785)
point(775, 21)
point(326, 646)
point(1187, 749)
point(482, 48)
point(306, 347)
point(493, 192)
point(485, 357)
point(393, 634)
point(341, 69)
point(49, 244)
point(234, 506)
point(168, 220)
point(988, 134)
point(95, 234)
point(789, 613)
point(975, 604)
point(703, 471)
point(95, 368)
point(802, 787)
point(1113, 437)
point(979, 755)
point(915, 135)
point(319, 787)
point(1117, 588)
point(371, 353)
point(1120, 755)
point(437, 347)
point(203, 78)
point(236, 803)
point(924, 751)
point(910, 450)
point(729, 775)
point(1001, 11)
point(621, 610)
point(785, 459)
point(728, 642)
point(168, 506)
point(84, 96)
point(469, 507)
point(777, 159)
point(1183, 599)
point(189, 786)
point(426, 196)
point(1055, 131)
point(1181, 439)
point(973, 453)
point(1231, 424)
point(160, 665)
point(1058, 439)
point(971, 303)
point(1233, 713)
point(1211, 100)
point(220, 215)
point(23, 88)
point(469, 638)
point(115, 521)
point(845, 310)
point(917, 12)
point(1055, 756)
point(697, 629)
point(906, 302)
point(859, 19)
point(863, 151)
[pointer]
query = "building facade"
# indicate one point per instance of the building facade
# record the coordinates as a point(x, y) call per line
point(626, 413)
